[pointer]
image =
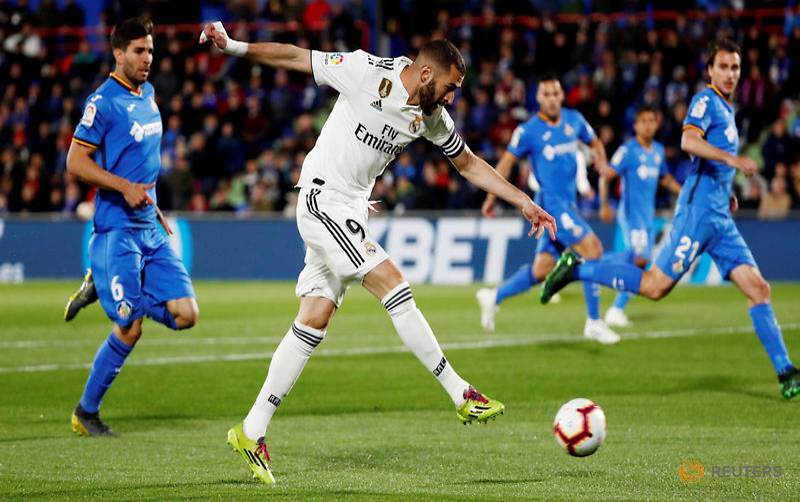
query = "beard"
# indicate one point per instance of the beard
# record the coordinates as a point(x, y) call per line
point(427, 98)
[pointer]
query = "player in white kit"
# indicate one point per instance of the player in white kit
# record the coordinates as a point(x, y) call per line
point(383, 105)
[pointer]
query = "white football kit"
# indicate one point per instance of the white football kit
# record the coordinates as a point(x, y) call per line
point(369, 125)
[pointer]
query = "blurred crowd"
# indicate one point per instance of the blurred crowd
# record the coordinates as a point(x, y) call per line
point(235, 134)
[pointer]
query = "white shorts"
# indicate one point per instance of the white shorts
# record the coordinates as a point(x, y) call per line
point(339, 248)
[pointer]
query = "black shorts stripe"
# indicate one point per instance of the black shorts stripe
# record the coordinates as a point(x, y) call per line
point(334, 229)
point(342, 233)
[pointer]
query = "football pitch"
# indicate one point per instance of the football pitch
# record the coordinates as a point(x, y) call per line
point(689, 382)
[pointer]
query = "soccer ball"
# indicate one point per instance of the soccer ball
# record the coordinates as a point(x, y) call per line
point(580, 427)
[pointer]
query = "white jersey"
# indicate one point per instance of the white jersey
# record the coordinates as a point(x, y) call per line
point(370, 124)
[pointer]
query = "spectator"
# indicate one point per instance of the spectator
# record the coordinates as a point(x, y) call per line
point(777, 202)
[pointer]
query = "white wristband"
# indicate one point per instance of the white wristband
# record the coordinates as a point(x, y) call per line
point(235, 48)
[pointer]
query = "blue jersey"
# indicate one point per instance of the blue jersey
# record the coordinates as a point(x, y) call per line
point(709, 183)
point(124, 126)
point(640, 169)
point(552, 149)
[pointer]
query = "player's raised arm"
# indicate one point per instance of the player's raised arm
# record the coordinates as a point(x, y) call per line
point(481, 174)
point(287, 56)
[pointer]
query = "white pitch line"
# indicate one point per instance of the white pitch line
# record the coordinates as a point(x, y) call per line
point(515, 341)
point(180, 340)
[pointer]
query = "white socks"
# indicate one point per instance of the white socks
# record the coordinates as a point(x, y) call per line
point(287, 363)
point(418, 337)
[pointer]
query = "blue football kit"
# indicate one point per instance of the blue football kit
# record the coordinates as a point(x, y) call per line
point(135, 270)
point(703, 221)
point(552, 149)
point(640, 168)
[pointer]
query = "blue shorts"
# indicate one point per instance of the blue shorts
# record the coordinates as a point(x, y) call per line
point(572, 229)
point(133, 269)
point(638, 237)
point(696, 230)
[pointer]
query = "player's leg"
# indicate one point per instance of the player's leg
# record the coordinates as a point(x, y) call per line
point(691, 231)
point(386, 283)
point(116, 262)
point(638, 245)
point(290, 357)
point(167, 290)
point(84, 296)
point(590, 248)
point(735, 262)
point(757, 290)
point(528, 275)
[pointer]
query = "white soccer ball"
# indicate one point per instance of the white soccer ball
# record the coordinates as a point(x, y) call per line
point(580, 427)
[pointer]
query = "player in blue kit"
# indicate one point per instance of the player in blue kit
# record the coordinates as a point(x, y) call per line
point(136, 273)
point(550, 139)
point(703, 221)
point(641, 165)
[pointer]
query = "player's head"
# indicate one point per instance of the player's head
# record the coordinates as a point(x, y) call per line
point(550, 95)
point(441, 72)
point(132, 44)
point(724, 65)
point(646, 123)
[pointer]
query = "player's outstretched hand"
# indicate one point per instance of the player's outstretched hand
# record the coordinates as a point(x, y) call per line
point(539, 220)
point(745, 164)
point(488, 206)
point(216, 33)
point(136, 194)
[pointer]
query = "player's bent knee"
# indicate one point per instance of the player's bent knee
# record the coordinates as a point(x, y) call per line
point(185, 311)
point(761, 291)
point(316, 312)
point(542, 266)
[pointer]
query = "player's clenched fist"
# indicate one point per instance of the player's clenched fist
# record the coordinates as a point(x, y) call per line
point(216, 33)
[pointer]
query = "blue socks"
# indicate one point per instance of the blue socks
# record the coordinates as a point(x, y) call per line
point(768, 331)
point(620, 276)
point(622, 299)
point(522, 280)
point(591, 294)
point(107, 363)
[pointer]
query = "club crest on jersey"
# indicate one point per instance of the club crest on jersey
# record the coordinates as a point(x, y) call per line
point(568, 130)
point(384, 88)
point(333, 59)
point(370, 248)
point(124, 309)
point(415, 124)
point(88, 115)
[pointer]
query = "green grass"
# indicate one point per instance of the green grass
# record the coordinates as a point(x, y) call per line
point(375, 425)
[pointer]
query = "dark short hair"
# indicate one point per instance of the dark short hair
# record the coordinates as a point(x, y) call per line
point(646, 109)
point(129, 30)
point(721, 45)
point(444, 54)
point(549, 76)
